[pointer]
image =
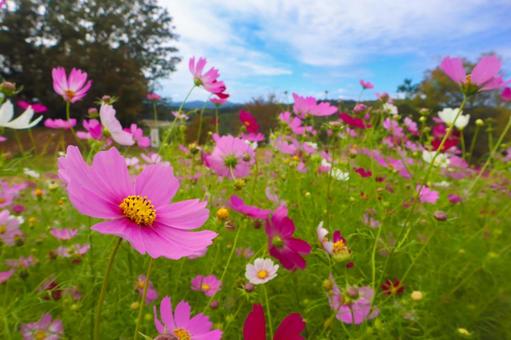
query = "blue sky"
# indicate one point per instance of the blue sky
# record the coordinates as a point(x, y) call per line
point(305, 46)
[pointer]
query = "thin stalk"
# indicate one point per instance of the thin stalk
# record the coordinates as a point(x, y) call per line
point(169, 130)
point(268, 312)
point(142, 299)
point(101, 299)
point(217, 120)
point(473, 142)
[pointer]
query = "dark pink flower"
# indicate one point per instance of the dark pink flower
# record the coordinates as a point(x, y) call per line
point(93, 128)
point(363, 172)
point(37, 107)
point(4, 276)
point(249, 122)
point(281, 243)
point(454, 199)
point(153, 97)
point(353, 121)
point(209, 285)
point(239, 205)
point(290, 328)
point(506, 94)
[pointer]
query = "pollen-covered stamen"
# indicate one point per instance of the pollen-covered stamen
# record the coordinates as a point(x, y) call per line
point(182, 334)
point(70, 94)
point(205, 287)
point(138, 209)
point(262, 274)
point(339, 246)
point(468, 79)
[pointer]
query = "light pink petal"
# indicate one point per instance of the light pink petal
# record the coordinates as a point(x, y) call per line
point(453, 67)
point(199, 324)
point(158, 183)
point(76, 79)
point(182, 315)
point(189, 214)
point(487, 68)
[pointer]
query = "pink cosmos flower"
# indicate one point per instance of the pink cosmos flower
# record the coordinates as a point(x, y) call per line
point(60, 123)
point(354, 306)
point(75, 251)
point(63, 234)
point(72, 88)
point(337, 247)
point(208, 80)
point(37, 107)
point(153, 97)
point(294, 123)
point(290, 328)
point(9, 193)
point(366, 85)
point(113, 126)
point(9, 228)
point(484, 76)
point(426, 195)
point(2, 139)
point(21, 262)
point(209, 285)
point(231, 157)
point(45, 328)
point(454, 199)
point(137, 209)
point(237, 204)
point(304, 106)
point(281, 243)
point(359, 108)
point(138, 135)
point(93, 130)
point(152, 293)
point(4, 276)
point(179, 324)
point(411, 126)
point(506, 94)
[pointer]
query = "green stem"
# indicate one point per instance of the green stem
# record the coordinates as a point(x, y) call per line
point(268, 312)
point(492, 154)
point(142, 299)
point(217, 121)
point(473, 142)
point(169, 130)
point(101, 299)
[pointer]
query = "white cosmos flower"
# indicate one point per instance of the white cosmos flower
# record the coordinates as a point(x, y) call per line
point(262, 271)
point(390, 108)
point(31, 173)
point(21, 122)
point(340, 175)
point(441, 160)
point(448, 115)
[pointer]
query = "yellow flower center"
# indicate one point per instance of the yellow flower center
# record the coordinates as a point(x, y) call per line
point(262, 274)
point(2, 200)
point(138, 209)
point(205, 287)
point(3, 228)
point(339, 246)
point(69, 94)
point(182, 334)
point(141, 284)
point(468, 79)
point(222, 213)
point(40, 335)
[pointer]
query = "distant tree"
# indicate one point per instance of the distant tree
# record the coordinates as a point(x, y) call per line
point(123, 45)
point(408, 88)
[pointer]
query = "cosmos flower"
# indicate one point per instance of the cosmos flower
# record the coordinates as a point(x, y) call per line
point(137, 209)
point(21, 122)
point(72, 88)
point(113, 126)
point(63, 233)
point(392, 287)
point(60, 123)
point(8, 193)
point(359, 108)
point(151, 294)
point(354, 121)
point(506, 94)
point(21, 263)
point(237, 204)
point(9, 229)
point(153, 97)
point(4, 276)
point(304, 106)
point(231, 157)
point(219, 100)
point(249, 121)
point(366, 85)
point(37, 107)
point(93, 128)
point(448, 115)
point(484, 76)
point(354, 305)
point(442, 160)
point(75, 251)
point(426, 195)
point(208, 80)
point(281, 243)
point(337, 247)
point(138, 135)
point(209, 285)
point(290, 328)
point(180, 325)
point(262, 271)
point(390, 108)
point(44, 329)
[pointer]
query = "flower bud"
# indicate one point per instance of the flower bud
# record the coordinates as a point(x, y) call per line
point(479, 122)
point(416, 295)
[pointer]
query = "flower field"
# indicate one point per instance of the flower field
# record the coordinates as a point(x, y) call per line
point(339, 223)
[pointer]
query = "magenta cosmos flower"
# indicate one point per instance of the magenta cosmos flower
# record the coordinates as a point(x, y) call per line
point(152, 293)
point(255, 326)
point(137, 209)
point(281, 243)
point(506, 94)
point(426, 195)
point(37, 107)
point(46, 328)
point(180, 324)
point(209, 285)
point(4, 276)
point(63, 234)
point(60, 123)
point(153, 97)
point(208, 80)
point(93, 130)
point(366, 85)
point(484, 76)
point(237, 204)
point(232, 157)
point(72, 88)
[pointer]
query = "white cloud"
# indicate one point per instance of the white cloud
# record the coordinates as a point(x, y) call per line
point(329, 34)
